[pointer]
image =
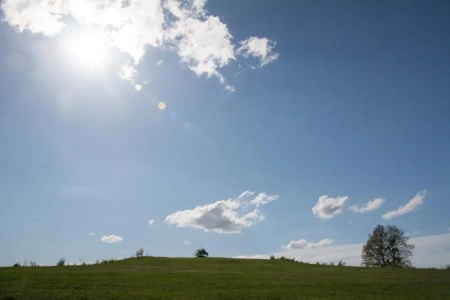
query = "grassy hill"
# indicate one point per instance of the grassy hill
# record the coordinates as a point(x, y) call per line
point(220, 278)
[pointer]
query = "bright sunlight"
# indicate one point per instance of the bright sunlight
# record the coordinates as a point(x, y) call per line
point(88, 49)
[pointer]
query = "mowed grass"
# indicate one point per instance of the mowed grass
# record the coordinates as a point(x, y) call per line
point(220, 278)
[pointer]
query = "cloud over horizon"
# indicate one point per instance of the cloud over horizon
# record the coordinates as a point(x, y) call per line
point(439, 245)
point(302, 244)
point(223, 216)
point(111, 239)
point(203, 42)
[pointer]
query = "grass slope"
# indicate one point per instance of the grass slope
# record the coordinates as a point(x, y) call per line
point(220, 278)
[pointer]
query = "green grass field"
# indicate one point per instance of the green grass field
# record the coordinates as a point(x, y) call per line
point(220, 278)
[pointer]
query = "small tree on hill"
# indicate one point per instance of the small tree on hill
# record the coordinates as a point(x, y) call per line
point(387, 247)
point(201, 252)
point(61, 262)
point(140, 252)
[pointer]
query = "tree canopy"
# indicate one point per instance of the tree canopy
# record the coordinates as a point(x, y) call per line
point(387, 247)
point(201, 252)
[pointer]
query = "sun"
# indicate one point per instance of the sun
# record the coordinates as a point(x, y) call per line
point(88, 49)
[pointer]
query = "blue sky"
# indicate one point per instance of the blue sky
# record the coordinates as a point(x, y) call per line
point(245, 129)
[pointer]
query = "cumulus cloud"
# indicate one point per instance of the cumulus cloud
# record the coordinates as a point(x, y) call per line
point(302, 244)
point(261, 48)
point(202, 41)
point(370, 206)
point(438, 245)
point(224, 216)
point(328, 208)
point(111, 239)
point(186, 242)
point(412, 205)
point(151, 222)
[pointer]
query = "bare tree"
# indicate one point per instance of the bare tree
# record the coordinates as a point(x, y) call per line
point(387, 247)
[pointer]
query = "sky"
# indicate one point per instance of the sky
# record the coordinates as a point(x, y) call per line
point(283, 127)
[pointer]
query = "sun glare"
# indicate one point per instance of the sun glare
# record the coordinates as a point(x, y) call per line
point(88, 49)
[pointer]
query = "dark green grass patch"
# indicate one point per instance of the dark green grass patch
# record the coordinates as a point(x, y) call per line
point(217, 278)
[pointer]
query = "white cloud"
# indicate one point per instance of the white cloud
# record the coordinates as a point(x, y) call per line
point(261, 48)
point(159, 62)
point(263, 199)
point(186, 242)
point(302, 244)
point(151, 222)
point(129, 72)
point(202, 41)
point(328, 208)
point(39, 16)
point(230, 88)
point(224, 216)
point(111, 239)
point(370, 206)
point(203, 44)
point(430, 251)
point(91, 234)
point(409, 207)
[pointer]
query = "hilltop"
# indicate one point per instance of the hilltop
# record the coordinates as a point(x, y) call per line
point(220, 278)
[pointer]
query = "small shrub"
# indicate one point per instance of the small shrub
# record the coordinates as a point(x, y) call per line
point(201, 252)
point(140, 252)
point(272, 257)
point(61, 262)
point(341, 263)
point(17, 265)
point(447, 267)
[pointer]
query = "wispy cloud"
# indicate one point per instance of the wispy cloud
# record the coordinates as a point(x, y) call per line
point(409, 207)
point(159, 62)
point(328, 208)
point(302, 244)
point(186, 242)
point(370, 206)
point(111, 239)
point(91, 234)
point(202, 41)
point(151, 222)
point(224, 216)
point(439, 245)
point(230, 88)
